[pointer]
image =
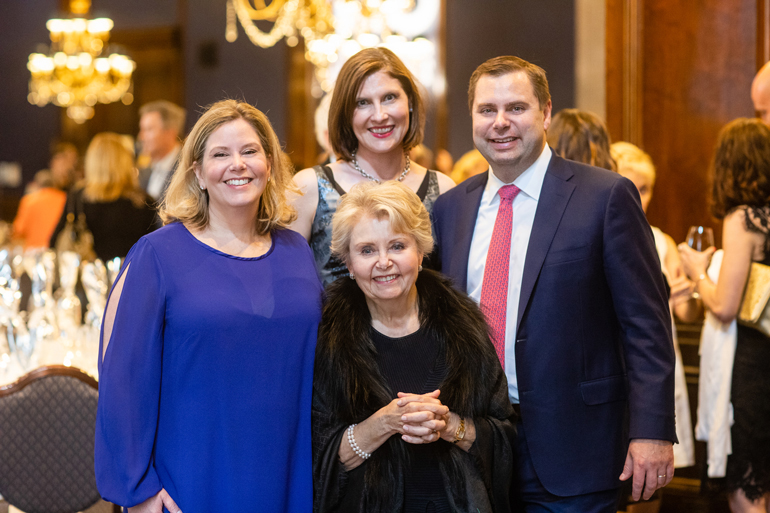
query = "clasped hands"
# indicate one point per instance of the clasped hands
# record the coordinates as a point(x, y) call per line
point(420, 418)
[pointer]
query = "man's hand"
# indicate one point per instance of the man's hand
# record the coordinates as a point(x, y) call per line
point(651, 462)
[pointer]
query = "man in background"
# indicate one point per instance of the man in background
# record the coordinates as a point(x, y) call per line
point(760, 93)
point(161, 126)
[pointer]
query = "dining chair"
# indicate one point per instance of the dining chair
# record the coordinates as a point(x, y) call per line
point(47, 421)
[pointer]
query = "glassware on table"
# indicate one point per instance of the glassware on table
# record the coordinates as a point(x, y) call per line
point(700, 238)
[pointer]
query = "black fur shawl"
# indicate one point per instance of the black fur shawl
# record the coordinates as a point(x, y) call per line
point(348, 388)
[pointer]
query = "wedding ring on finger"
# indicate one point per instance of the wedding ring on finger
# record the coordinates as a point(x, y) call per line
point(662, 476)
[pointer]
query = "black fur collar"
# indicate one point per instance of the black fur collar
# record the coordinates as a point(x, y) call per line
point(345, 364)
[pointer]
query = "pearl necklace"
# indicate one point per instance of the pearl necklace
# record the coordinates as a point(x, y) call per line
point(370, 177)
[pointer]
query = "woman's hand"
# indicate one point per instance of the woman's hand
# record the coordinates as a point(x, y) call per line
point(424, 418)
point(694, 262)
point(681, 289)
point(417, 418)
point(155, 504)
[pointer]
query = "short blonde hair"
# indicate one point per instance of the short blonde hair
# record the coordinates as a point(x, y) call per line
point(470, 164)
point(186, 202)
point(390, 200)
point(630, 157)
point(109, 170)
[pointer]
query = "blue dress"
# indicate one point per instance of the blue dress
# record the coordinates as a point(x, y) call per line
point(206, 385)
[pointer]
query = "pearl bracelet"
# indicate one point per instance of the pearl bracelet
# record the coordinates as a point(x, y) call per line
point(354, 445)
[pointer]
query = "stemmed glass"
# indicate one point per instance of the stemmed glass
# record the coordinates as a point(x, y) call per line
point(700, 238)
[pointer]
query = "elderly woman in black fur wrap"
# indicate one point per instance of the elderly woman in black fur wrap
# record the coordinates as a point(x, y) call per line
point(410, 404)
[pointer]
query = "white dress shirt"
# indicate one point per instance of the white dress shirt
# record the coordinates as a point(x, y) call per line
point(524, 206)
point(160, 172)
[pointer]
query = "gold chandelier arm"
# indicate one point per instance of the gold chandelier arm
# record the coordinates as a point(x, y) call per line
point(261, 11)
point(280, 28)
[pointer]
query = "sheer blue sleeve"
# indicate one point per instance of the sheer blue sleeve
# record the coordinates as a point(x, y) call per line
point(129, 380)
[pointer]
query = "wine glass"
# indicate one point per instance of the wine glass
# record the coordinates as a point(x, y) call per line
point(700, 238)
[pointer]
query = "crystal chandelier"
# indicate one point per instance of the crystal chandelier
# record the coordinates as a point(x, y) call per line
point(309, 18)
point(334, 30)
point(76, 71)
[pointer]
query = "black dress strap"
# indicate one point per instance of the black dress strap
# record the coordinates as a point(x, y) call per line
point(330, 176)
point(422, 191)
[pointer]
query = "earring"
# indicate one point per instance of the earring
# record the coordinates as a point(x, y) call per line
point(268, 179)
point(203, 187)
point(352, 277)
point(419, 268)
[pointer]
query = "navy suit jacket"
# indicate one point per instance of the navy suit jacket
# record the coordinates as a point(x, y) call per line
point(594, 354)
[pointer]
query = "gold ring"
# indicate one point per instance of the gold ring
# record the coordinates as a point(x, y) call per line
point(664, 475)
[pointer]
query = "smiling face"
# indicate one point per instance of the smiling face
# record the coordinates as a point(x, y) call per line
point(234, 169)
point(508, 123)
point(385, 264)
point(381, 116)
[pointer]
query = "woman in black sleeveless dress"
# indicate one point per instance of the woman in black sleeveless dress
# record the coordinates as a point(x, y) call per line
point(741, 199)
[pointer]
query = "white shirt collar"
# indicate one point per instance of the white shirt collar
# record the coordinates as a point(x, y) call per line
point(530, 181)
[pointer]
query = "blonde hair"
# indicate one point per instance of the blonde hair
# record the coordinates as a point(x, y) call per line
point(390, 200)
point(109, 170)
point(470, 164)
point(186, 202)
point(630, 157)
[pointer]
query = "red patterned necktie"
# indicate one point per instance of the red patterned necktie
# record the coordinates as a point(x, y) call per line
point(494, 288)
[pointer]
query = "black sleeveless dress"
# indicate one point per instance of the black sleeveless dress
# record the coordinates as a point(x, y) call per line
point(748, 467)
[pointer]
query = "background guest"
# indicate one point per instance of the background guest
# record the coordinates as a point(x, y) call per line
point(376, 116)
point(161, 127)
point(470, 164)
point(116, 209)
point(580, 136)
point(40, 209)
point(637, 166)
point(321, 125)
point(741, 199)
point(224, 303)
point(410, 403)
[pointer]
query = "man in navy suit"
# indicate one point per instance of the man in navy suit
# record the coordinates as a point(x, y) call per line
point(563, 263)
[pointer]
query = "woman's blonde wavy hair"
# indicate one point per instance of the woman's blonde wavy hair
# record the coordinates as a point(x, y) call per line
point(109, 170)
point(186, 202)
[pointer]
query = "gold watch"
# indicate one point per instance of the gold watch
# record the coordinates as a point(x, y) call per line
point(460, 433)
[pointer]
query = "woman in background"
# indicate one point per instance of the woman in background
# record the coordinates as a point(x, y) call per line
point(116, 210)
point(741, 199)
point(637, 166)
point(581, 136)
point(376, 116)
point(209, 335)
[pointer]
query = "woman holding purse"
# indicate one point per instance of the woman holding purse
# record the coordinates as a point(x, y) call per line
point(741, 199)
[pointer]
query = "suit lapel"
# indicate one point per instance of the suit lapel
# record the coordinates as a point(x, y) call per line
point(554, 197)
point(466, 224)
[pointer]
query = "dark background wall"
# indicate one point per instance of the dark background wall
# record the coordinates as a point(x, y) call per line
point(542, 32)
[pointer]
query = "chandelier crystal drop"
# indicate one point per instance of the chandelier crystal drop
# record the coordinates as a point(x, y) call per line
point(77, 71)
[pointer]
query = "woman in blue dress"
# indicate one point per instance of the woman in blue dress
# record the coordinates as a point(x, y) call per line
point(209, 336)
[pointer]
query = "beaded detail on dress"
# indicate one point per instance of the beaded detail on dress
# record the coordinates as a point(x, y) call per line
point(330, 267)
point(757, 220)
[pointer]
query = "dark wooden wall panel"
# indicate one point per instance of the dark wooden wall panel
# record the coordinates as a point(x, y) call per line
point(696, 63)
point(699, 62)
